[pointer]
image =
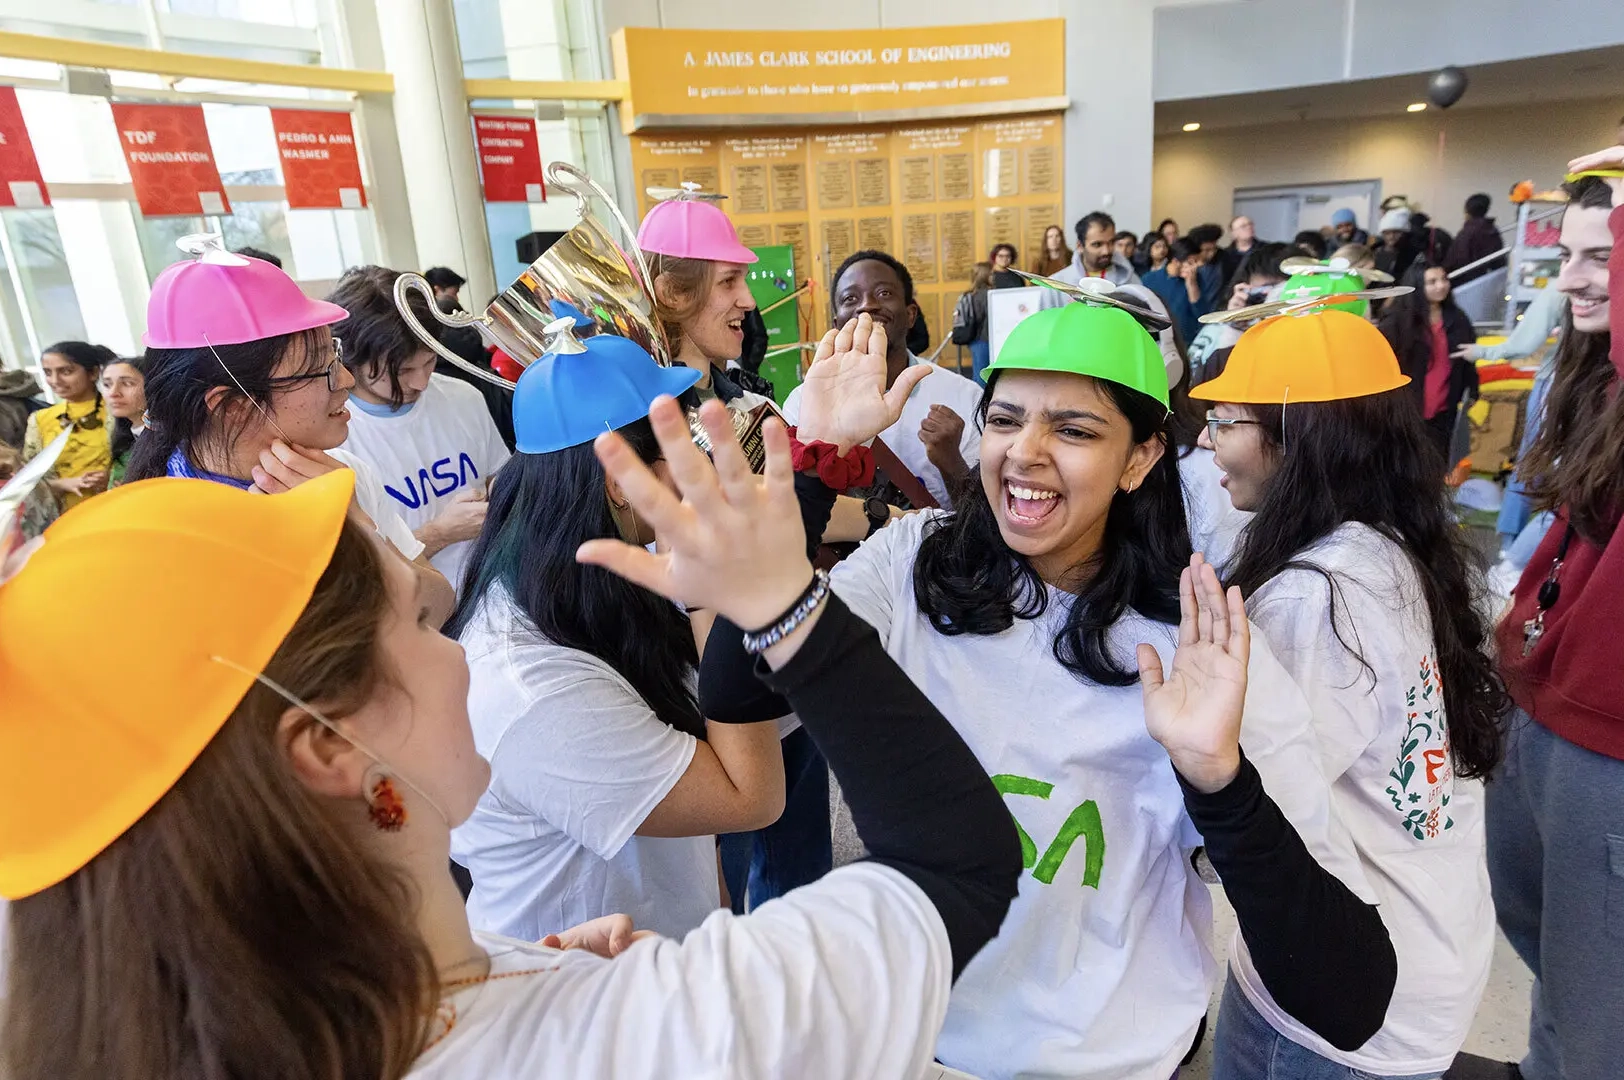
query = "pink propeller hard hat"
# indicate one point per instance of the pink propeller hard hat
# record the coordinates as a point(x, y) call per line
point(219, 298)
point(690, 225)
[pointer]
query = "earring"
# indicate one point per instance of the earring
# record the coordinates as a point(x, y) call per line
point(384, 805)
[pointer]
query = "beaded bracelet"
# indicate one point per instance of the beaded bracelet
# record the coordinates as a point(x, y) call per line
point(761, 640)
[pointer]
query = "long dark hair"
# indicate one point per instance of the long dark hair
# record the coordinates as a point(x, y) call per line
point(123, 436)
point(542, 508)
point(1369, 460)
point(178, 386)
point(1407, 320)
point(1577, 459)
point(241, 927)
point(968, 581)
point(90, 358)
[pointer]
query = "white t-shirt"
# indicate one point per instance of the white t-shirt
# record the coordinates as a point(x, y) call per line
point(443, 444)
point(1215, 524)
point(370, 497)
point(578, 761)
point(1103, 967)
point(843, 979)
point(1418, 829)
point(940, 387)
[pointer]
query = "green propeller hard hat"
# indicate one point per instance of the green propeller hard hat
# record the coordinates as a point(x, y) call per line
point(1086, 339)
point(1307, 286)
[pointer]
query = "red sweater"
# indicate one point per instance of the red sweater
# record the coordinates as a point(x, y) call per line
point(1573, 683)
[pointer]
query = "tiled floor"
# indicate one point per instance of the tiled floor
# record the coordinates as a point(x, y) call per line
point(1501, 1030)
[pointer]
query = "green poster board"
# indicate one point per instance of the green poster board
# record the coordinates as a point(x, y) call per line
point(770, 280)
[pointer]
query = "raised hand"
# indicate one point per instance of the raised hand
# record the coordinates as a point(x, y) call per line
point(1608, 160)
point(843, 397)
point(1195, 712)
point(733, 542)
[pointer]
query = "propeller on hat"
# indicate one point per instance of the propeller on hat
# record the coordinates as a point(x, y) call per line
point(1300, 264)
point(688, 191)
point(1099, 292)
point(1300, 307)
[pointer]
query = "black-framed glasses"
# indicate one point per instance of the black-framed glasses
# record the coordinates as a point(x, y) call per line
point(1215, 424)
point(330, 372)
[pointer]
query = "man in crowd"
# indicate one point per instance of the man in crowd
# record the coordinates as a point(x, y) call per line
point(1398, 247)
point(1178, 283)
point(934, 445)
point(1096, 255)
point(445, 282)
point(1242, 239)
point(1345, 228)
point(429, 437)
point(1477, 238)
point(1210, 272)
point(1127, 246)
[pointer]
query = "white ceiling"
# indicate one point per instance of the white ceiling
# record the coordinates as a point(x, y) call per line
point(1573, 76)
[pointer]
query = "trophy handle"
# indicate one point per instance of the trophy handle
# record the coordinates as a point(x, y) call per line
point(407, 284)
point(583, 187)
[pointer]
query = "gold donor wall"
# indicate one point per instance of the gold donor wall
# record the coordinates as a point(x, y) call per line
point(938, 196)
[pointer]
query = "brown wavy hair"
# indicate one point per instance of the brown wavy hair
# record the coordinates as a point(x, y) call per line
point(681, 287)
point(1577, 459)
point(240, 928)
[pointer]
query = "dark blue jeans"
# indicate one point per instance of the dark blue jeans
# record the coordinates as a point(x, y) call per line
point(796, 849)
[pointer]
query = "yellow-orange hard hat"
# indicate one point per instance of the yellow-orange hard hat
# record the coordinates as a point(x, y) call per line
point(1325, 355)
point(94, 729)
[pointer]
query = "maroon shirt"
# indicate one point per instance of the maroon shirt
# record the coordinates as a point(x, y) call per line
point(1573, 683)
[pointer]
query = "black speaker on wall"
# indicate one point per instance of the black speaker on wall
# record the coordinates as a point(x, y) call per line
point(531, 245)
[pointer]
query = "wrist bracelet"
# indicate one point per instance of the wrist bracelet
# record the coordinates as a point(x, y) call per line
point(759, 641)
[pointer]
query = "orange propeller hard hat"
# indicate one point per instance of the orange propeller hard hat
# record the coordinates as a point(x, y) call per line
point(203, 570)
point(1324, 355)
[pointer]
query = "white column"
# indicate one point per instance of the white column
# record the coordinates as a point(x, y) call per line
point(419, 39)
point(535, 38)
point(1110, 127)
point(349, 34)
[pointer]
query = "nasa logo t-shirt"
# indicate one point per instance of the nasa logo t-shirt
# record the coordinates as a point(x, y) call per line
point(426, 454)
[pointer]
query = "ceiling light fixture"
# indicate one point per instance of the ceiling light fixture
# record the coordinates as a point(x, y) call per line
point(1419, 106)
point(1192, 127)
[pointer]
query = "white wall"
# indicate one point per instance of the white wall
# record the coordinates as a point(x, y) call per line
point(1485, 150)
point(1239, 46)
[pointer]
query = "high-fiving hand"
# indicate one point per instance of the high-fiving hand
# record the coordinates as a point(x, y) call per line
point(1195, 712)
point(843, 397)
point(733, 542)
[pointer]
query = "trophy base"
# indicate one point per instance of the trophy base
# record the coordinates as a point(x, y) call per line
point(747, 424)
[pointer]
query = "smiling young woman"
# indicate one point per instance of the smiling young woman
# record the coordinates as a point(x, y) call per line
point(1028, 614)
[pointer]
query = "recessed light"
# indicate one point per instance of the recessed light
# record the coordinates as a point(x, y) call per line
point(1419, 106)
point(1192, 127)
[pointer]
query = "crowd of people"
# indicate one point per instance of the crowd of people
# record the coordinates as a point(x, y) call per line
point(498, 740)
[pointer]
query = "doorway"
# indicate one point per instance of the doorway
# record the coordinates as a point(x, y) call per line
point(1280, 213)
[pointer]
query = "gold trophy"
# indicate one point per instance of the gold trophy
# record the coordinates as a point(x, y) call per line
point(600, 286)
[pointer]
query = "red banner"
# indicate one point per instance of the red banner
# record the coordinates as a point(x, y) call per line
point(509, 159)
point(320, 166)
point(171, 162)
point(20, 181)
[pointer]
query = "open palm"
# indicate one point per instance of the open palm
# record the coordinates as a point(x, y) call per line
point(1195, 711)
point(843, 396)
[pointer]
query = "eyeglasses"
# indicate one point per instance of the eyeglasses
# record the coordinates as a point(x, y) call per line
point(1215, 424)
point(330, 372)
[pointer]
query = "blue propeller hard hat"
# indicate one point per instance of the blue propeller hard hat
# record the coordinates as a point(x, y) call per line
point(580, 389)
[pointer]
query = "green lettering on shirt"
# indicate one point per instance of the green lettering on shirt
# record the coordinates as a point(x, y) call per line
point(1083, 822)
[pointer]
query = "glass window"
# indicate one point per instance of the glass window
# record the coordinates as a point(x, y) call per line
point(244, 143)
point(35, 260)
